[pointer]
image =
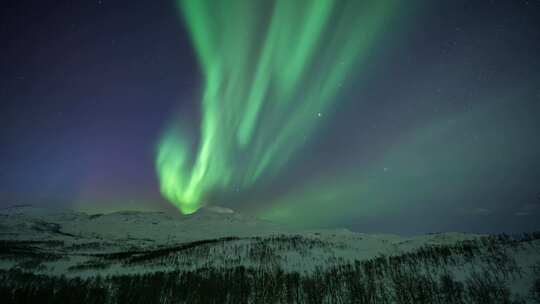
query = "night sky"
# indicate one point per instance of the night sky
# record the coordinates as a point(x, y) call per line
point(378, 116)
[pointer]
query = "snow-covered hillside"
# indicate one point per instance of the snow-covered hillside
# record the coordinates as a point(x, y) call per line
point(83, 236)
point(218, 241)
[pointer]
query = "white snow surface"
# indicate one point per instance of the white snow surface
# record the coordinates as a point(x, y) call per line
point(155, 229)
point(83, 239)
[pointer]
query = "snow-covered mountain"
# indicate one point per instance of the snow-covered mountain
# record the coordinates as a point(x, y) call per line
point(139, 228)
point(220, 241)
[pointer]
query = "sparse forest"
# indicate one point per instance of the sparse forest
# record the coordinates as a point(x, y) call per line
point(477, 271)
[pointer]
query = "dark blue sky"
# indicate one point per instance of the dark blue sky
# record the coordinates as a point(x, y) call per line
point(87, 87)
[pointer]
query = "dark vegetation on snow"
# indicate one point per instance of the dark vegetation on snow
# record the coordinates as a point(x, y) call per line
point(29, 249)
point(472, 271)
point(535, 289)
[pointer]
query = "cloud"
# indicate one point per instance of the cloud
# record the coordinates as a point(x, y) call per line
point(476, 211)
point(527, 209)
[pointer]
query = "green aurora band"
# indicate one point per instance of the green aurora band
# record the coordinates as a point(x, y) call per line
point(433, 166)
point(272, 71)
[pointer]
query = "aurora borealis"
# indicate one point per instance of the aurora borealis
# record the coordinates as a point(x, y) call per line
point(384, 116)
point(269, 77)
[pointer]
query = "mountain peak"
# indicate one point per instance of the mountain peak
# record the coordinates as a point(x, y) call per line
point(217, 209)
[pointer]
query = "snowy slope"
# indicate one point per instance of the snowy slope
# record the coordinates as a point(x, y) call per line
point(134, 229)
point(75, 244)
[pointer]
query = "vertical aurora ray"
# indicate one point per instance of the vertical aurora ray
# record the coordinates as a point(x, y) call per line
point(270, 70)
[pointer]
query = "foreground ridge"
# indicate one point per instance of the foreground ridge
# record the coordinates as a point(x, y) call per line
point(67, 257)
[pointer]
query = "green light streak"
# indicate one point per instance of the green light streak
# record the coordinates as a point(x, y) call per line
point(439, 166)
point(269, 70)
